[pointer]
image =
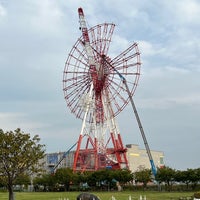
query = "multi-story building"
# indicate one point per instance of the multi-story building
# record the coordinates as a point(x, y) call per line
point(136, 158)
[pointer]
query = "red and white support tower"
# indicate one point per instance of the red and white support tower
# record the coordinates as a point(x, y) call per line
point(95, 93)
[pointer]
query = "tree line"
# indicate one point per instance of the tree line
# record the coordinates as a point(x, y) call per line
point(167, 178)
point(64, 179)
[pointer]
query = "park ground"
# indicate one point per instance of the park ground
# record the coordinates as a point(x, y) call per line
point(125, 195)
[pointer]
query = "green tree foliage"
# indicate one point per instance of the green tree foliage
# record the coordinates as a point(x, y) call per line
point(100, 180)
point(23, 179)
point(19, 154)
point(166, 175)
point(64, 177)
point(193, 176)
point(106, 178)
point(46, 180)
point(111, 179)
point(122, 176)
point(184, 176)
point(80, 177)
point(142, 175)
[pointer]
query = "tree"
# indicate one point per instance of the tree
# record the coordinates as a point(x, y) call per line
point(166, 175)
point(194, 176)
point(23, 180)
point(143, 175)
point(183, 176)
point(19, 154)
point(189, 177)
point(107, 179)
point(48, 182)
point(64, 177)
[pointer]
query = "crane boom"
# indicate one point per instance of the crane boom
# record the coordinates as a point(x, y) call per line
point(153, 167)
point(64, 156)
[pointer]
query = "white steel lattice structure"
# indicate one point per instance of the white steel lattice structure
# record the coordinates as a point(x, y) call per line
point(95, 93)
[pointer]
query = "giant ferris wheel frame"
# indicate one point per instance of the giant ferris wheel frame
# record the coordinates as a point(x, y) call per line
point(97, 88)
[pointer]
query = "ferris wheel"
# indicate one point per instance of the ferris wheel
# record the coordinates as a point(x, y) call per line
point(95, 92)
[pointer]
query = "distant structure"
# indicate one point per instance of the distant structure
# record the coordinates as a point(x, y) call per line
point(136, 158)
point(96, 89)
point(95, 93)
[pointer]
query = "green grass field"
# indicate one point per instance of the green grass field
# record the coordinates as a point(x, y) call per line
point(131, 195)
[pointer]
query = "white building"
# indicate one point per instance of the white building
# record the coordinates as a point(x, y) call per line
point(138, 157)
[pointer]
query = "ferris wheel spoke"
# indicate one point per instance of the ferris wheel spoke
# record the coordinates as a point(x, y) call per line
point(79, 60)
point(96, 38)
point(122, 89)
point(127, 51)
point(73, 72)
point(127, 66)
point(115, 99)
point(79, 48)
point(74, 92)
point(123, 59)
point(107, 37)
point(115, 90)
point(75, 96)
point(128, 69)
point(125, 73)
point(76, 63)
point(81, 44)
point(80, 68)
point(78, 109)
point(75, 79)
point(75, 88)
point(101, 37)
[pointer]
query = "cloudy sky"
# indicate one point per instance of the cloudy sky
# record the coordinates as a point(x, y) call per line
point(36, 37)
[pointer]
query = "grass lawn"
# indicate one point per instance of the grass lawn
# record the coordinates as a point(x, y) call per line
point(126, 195)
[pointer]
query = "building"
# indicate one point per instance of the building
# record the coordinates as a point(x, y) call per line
point(136, 158)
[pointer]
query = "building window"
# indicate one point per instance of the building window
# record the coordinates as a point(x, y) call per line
point(162, 160)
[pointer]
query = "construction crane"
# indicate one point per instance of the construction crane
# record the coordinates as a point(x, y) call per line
point(153, 168)
point(62, 158)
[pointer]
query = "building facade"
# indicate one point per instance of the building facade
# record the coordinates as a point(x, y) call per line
point(138, 158)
